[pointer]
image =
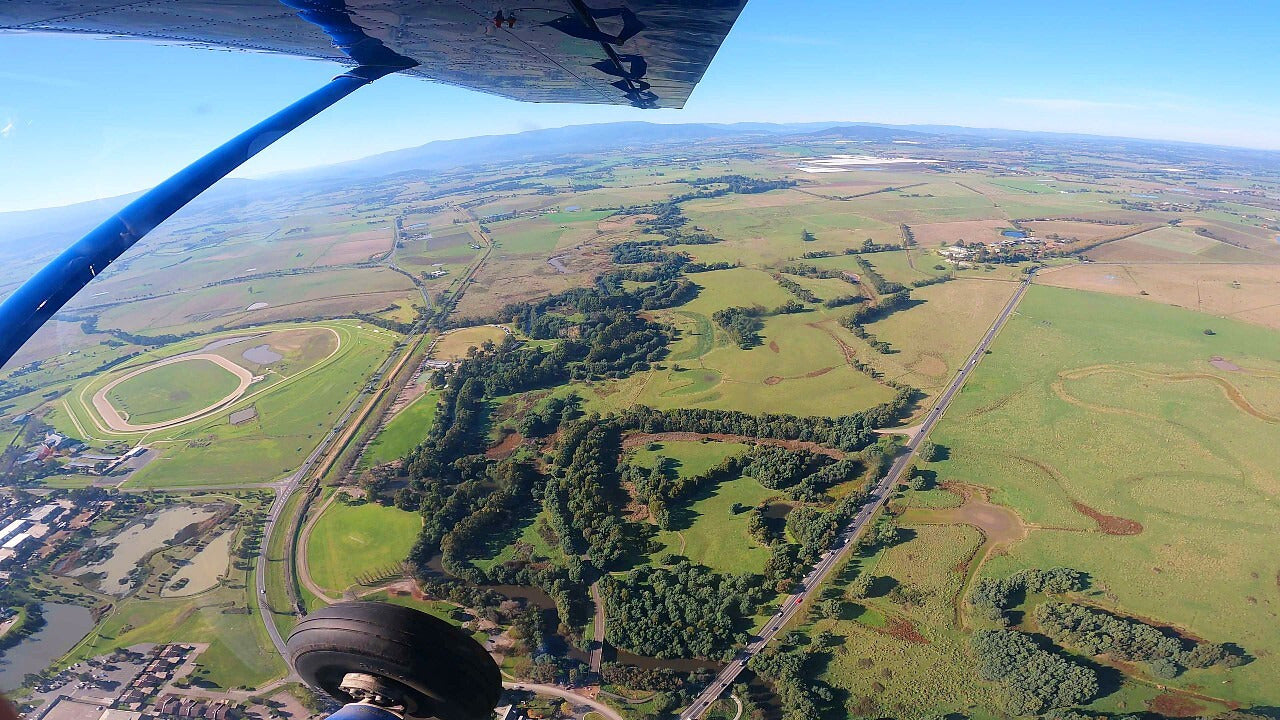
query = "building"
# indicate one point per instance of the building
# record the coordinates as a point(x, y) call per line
point(11, 529)
point(45, 513)
point(87, 467)
point(16, 542)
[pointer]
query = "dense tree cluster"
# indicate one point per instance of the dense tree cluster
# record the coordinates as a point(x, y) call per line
point(877, 281)
point(779, 469)
point(791, 673)
point(935, 280)
point(661, 487)
point(701, 267)
point(1098, 632)
point(651, 679)
point(743, 185)
point(850, 433)
point(813, 271)
point(582, 501)
point(842, 301)
point(795, 288)
point(512, 484)
point(685, 610)
point(631, 252)
point(742, 323)
point(615, 344)
point(870, 313)
point(990, 597)
point(543, 419)
point(1031, 678)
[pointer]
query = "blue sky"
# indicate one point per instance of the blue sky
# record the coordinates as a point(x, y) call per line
point(86, 118)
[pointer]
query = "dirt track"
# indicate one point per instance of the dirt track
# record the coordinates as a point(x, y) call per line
point(116, 421)
point(1231, 392)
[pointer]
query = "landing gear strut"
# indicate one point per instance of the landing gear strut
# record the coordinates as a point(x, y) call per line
point(389, 662)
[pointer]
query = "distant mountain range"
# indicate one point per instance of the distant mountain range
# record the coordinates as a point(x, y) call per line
point(535, 144)
point(55, 227)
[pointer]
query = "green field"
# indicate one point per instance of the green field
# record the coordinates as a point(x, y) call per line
point(405, 431)
point(886, 640)
point(1108, 405)
point(172, 391)
point(704, 529)
point(352, 540)
point(798, 367)
point(707, 532)
point(294, 411)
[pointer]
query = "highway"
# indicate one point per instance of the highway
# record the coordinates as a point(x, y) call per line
point(844, 542)
point(285, 491)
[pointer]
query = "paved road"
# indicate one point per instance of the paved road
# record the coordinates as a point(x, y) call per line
point(571, 696)
point(282, 496)
point(844, 541)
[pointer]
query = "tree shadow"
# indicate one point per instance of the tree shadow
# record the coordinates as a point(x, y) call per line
point(851, 611)
point(881, 586)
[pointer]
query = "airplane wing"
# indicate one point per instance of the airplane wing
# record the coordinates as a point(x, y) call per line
point(648, 53)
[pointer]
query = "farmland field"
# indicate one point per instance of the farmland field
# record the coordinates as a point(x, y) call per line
point(657, 310)
point(454, 345)
point(405, 431)
point(353, 540)
point(1102, 422)
point(1241, 292)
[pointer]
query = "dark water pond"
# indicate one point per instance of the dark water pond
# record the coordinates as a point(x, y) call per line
point(64, 626)
point(1013, 233)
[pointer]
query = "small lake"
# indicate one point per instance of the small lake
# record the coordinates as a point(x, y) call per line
point(64, 626)
point(1013, 233)
point(138, 539)
point(262, 354)
point(205, 570)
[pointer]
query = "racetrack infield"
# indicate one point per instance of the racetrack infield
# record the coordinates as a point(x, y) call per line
point(117, 421)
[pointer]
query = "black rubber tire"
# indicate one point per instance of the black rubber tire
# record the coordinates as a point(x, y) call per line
point(447, 674)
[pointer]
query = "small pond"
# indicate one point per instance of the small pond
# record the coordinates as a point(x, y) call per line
point(262, 354)
point(135, 541)
point(64, 626)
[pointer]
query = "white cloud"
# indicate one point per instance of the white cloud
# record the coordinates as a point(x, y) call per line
point(1069, 104)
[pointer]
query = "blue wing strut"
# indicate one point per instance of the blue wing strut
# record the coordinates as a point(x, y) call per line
point(23, 312)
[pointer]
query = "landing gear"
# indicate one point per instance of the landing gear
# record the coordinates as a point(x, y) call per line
point(387, 661)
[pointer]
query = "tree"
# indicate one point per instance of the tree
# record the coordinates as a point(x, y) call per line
point(861, 586)
point(830, 608)
point(927, 452)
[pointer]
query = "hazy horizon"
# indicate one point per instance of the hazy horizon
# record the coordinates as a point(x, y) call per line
point(85, 118)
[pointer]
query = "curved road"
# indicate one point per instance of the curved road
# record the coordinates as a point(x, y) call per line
point(573, 697)
point(844, 541)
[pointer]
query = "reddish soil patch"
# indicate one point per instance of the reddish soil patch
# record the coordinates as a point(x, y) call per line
point(1174, 705)
point(1109, 524)
point(819, 372)
point(505, 447)
point(1223, 364)
point(902, 629)
point(639, 439)
point(773, 345)
point(772, 380)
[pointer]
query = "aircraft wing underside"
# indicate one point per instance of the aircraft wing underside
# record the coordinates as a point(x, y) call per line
point(648, 53)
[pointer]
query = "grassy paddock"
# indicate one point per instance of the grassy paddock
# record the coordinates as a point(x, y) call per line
point(1106, 406)
point(351, 540)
